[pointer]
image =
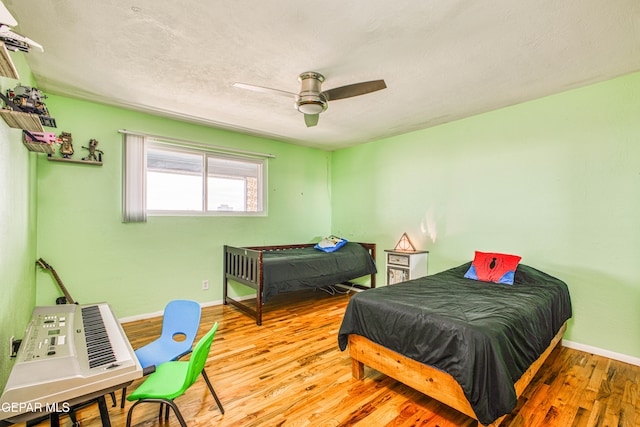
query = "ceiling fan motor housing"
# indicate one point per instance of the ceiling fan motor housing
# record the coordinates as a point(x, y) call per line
point(311, 100)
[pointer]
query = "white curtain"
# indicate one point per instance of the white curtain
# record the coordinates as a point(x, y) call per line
point(134, 201)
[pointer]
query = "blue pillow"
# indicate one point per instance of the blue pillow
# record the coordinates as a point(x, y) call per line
point(330, 244)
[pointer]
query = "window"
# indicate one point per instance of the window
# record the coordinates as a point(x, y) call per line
point(232, 185)
point(172, 179)
point(191, 180)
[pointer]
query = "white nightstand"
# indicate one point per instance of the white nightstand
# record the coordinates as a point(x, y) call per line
point(403, 266)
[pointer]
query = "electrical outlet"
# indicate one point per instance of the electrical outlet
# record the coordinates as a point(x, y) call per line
point(205, 285)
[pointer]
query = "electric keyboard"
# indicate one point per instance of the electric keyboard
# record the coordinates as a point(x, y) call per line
point(69, 354)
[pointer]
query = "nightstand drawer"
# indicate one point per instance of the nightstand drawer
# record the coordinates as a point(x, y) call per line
point(398, 259)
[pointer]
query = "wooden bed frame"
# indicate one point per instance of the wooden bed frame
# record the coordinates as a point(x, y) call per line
point(244, 265)
point(426, 379)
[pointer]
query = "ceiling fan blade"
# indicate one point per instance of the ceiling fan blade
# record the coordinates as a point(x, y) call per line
point(265, 90)
point(311, 119)
point(354, 90)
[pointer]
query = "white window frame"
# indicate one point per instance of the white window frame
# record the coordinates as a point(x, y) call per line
point(134, 170)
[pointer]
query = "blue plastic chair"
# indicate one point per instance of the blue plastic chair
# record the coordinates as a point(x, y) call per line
point(180, 324)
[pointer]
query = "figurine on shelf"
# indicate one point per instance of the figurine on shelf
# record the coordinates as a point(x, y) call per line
point(92, 151)
point(66, 149)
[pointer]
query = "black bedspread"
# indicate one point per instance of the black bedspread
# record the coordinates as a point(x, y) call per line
point(485, 335)
point(303, 268)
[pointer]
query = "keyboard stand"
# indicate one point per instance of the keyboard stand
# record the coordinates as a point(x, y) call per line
point(54, 417)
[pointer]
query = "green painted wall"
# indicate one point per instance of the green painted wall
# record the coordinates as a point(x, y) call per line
point(556, 180)
point(138, 268)
point(17, 229)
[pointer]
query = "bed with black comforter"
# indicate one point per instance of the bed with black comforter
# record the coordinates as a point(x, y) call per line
point(485, 335)
point(304, 268)
point(272, 270)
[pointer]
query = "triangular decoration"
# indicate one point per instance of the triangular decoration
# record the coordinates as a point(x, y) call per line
point(404, 244)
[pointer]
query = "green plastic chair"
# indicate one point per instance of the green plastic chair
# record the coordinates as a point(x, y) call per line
point(172, 379)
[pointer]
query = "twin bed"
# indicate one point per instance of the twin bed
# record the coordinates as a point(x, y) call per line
point(472, 345)
point(271, 270)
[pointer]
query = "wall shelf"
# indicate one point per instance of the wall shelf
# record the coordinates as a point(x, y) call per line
point(39, 147)
point(20, 120)
point(81, 162)
point(7, 69)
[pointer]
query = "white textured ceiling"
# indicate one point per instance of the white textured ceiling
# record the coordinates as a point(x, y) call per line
point(441, 60)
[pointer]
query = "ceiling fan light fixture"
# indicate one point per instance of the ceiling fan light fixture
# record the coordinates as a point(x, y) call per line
point(311, 106)
point(312, 100)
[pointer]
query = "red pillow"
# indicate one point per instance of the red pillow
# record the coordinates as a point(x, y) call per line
point(493, 267)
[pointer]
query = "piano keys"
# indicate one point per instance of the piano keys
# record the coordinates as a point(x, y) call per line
point(99, 350)
point(69, 354)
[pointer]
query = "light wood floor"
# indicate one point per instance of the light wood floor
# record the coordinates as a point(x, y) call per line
point(290, 372)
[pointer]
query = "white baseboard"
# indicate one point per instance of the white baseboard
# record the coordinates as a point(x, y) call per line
point(161, 312)
point(602, 352)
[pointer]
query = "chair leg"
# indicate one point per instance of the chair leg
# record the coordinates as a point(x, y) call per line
point(131, 412)
point(177, 412)
point(166, 412)
point(124, 395)
point(162, 402)
point(215, 396)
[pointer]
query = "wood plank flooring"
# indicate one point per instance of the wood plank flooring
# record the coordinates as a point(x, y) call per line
point(290, 372)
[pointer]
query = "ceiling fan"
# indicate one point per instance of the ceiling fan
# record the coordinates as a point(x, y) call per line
point(312, 100)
